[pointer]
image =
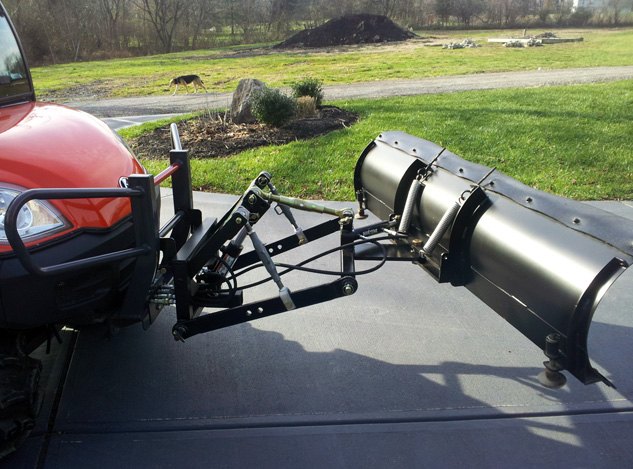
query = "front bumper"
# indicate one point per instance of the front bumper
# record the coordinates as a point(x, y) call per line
point(85, 296)
point(83, 277)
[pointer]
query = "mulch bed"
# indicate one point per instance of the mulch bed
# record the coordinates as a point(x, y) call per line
point(213, 137)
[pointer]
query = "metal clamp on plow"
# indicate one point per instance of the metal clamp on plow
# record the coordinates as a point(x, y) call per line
point(286, 300)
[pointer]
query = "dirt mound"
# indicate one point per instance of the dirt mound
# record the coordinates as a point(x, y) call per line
point(349, 30)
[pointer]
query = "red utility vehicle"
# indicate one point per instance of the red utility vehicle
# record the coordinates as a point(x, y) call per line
point(51, 146)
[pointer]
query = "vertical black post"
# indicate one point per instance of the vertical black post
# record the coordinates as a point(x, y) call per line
point(144, 211)
point(184, 289)
point(183, 197)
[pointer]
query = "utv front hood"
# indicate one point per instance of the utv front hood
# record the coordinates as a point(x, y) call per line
point(51, 146)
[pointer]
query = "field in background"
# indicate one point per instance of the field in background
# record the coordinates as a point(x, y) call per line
point(221, 69)
point(575, 141)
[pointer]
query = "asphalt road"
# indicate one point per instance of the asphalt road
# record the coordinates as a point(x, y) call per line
point(194, 102)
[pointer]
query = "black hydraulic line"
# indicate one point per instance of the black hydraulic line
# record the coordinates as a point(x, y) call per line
point(290, 268)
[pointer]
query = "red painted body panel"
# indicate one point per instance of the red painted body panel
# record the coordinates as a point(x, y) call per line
point(48, 145)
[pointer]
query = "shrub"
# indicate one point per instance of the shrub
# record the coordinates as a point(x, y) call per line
point(308, 87)
point(306, 106)
point(272, 107)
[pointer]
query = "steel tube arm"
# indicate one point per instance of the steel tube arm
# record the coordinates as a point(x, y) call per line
point(260, 309)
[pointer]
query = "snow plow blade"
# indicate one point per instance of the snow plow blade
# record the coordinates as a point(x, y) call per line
point(540, 261)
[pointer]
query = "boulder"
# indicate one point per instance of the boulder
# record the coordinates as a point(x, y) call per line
point(241, 104)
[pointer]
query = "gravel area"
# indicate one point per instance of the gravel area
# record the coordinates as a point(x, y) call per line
point(375, 89)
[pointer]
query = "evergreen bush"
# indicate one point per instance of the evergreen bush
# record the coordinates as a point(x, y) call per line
point(308, 87)
point(272, 107)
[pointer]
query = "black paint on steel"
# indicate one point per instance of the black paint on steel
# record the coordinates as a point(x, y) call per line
point(454, 262)
point(347, 254)
point(189, 218)
point(542, 262)
point(291, 242)
point(261, 309)
point(612, 229)
point(575, 351)
point(146, 236)
point(22, 252)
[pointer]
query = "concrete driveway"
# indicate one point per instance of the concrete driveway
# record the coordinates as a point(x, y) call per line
point(406, 373)
point(116, 123)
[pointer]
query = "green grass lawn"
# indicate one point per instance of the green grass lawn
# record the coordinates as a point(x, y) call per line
point(575, 141)
point(221, 72)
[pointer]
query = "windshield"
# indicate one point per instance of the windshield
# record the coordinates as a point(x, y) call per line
point(14, 79)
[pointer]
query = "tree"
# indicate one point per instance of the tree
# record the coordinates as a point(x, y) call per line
point(197, 19)
point(465, 10)
point(248, 17)
point(616, 7)
point(386, 7)
point(113, 12)
point(444, 10)
point(164, 17)
point(282, 12)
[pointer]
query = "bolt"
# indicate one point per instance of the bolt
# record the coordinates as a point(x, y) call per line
point(348, 289)
point(252, 199)
point(238, 221)
point(178, 332)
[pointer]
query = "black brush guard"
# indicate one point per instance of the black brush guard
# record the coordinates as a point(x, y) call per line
point(542, 262)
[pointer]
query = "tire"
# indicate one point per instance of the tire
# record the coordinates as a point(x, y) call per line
point(20, 400)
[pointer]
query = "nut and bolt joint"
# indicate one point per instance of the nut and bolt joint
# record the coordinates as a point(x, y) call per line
point(348, 289)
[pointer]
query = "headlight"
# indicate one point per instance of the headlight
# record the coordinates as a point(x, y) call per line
point(35, 220)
